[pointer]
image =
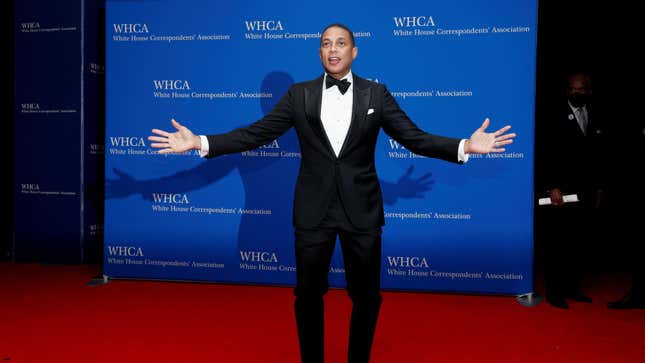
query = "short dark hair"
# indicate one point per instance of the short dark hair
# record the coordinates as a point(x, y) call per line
point(342, 26)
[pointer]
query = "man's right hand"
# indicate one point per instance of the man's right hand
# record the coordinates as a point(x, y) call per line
point(556, 197)
point(177, 142)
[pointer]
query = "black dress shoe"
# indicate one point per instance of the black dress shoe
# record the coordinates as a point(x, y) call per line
point(557, 301)
point(628, 302)
point(578, 296)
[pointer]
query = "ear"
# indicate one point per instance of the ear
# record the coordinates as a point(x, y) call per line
point(320, 54)
point(354, 52)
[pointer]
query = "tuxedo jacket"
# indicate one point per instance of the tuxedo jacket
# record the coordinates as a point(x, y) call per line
point(575, 162)
point(351, 174)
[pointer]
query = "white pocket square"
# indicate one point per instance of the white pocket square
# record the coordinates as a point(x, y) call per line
point(370, 111)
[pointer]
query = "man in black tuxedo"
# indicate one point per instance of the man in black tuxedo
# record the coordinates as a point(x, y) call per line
point(575, 169)
point(337, 118)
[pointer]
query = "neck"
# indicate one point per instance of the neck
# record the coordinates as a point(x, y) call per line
point(338, 76)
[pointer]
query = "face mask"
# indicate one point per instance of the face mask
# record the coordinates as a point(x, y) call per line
point(578, 99)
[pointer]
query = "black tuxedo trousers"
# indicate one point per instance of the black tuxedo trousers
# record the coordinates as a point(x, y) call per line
point(362, 260)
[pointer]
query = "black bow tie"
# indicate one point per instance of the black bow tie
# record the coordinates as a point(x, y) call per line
point(342, 84)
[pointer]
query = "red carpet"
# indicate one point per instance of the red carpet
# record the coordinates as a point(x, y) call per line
point(47, 314)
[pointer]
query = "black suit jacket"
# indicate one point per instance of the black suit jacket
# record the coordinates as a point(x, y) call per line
point(322, 173)
point(575, 163)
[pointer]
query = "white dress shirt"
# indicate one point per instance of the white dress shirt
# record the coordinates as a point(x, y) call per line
point(336, 112)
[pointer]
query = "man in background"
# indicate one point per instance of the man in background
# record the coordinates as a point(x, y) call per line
point(574, 174)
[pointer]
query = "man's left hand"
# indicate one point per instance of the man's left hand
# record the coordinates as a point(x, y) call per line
point(482, 142)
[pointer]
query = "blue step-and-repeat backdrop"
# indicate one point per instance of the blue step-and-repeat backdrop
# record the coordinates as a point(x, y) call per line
point(58, 130)
point(215, 66)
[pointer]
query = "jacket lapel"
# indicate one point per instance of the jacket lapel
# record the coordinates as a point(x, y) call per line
point(362, 94)
point(313, 102)
point(591, 126)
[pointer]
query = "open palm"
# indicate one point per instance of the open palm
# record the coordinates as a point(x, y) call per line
point(177, 142)
point(482, 142)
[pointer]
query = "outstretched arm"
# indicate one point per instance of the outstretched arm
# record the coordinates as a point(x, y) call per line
point(482, 142)
point(261, 132)
point(275, 123)
point(176, 142)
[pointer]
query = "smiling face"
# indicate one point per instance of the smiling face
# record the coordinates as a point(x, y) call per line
point(337, 51)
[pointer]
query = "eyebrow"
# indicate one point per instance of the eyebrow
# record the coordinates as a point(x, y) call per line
point(339, 38)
